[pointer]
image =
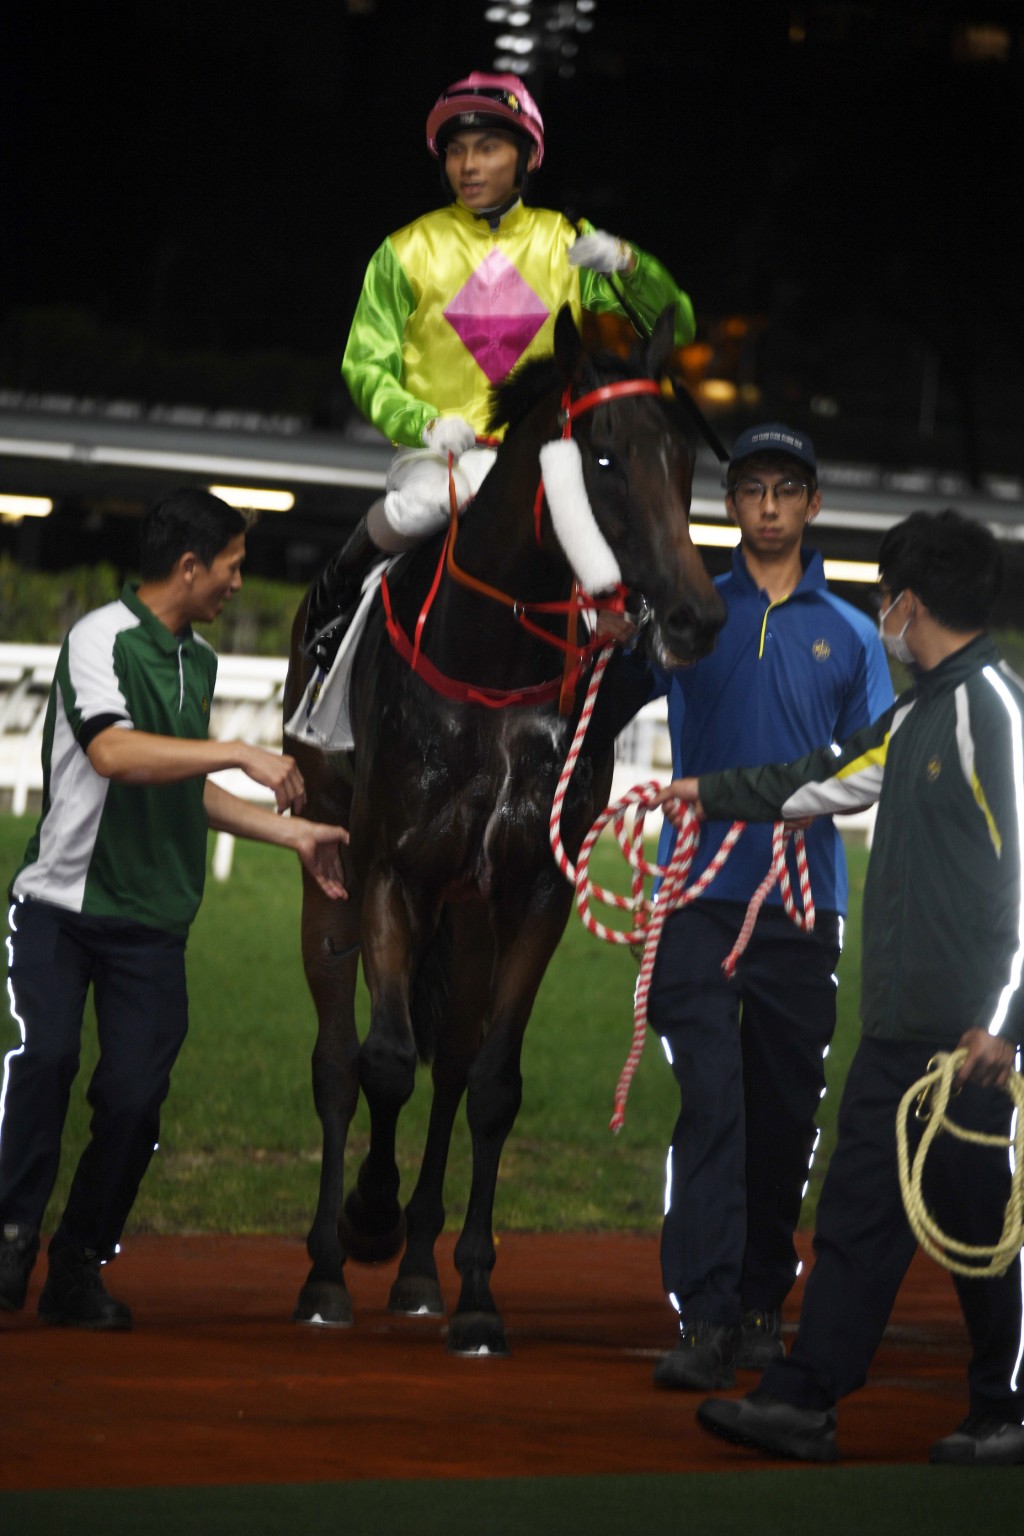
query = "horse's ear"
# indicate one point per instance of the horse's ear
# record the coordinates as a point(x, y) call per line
point(568, 345)
point(662, 342)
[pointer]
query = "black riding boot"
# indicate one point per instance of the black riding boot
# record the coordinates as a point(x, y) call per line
point(335, 594)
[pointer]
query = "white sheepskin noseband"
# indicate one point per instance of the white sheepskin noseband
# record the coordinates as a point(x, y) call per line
point(585, 546)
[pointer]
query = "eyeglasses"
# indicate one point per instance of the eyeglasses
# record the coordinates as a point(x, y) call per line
point(751, 493)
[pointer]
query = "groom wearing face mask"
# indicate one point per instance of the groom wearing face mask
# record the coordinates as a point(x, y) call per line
point(896, 645)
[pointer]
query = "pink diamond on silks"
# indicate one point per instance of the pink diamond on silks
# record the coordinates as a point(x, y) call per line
point(496, 315)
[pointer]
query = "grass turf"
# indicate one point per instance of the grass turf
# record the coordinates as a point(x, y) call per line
point(240, 1142)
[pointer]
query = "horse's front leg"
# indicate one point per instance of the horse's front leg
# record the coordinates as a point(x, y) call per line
point(374, 1224)
point(493, 1099)
point(330, 946)
point(417, 1291)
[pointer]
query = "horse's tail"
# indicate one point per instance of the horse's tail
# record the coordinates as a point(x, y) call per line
point(431, 989)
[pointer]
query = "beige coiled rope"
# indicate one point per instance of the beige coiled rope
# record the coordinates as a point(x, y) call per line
point(929, 1098)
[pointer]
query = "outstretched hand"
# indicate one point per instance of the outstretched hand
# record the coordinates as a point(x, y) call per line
point(317, 845)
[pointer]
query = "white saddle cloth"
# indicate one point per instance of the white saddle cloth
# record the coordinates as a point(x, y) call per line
point(323, 713)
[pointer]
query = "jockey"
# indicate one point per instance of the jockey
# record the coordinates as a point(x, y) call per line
point(455, 300)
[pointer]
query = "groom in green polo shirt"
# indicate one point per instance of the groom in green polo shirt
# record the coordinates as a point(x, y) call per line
point(111, 880)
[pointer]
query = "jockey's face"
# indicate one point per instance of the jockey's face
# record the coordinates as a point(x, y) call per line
point(481, 167)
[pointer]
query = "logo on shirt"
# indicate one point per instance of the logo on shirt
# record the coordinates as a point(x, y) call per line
point(204, 705)
point(933, 769)
point(821, 650)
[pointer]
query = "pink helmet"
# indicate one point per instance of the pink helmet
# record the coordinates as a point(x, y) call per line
point(485, 101)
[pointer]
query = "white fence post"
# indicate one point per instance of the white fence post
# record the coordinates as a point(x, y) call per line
point(247, 706)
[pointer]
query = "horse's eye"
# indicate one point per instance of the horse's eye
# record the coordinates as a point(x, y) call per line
point(604, 462)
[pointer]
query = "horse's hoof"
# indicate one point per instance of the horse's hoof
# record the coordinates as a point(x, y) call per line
point(366, 1243)
point(416, 1296)
point(477, 1333)
point(323, 1304)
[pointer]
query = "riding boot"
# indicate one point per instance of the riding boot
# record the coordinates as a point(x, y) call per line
point(335, 594)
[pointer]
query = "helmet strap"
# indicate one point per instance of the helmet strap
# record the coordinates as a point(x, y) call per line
point(523, 167)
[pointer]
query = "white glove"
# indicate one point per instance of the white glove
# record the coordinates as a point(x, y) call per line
point(449, 434)
point(602, 252)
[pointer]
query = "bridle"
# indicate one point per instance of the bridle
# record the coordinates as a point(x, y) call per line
point(576, 656)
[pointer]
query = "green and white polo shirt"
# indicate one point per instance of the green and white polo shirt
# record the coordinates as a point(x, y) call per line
point(122, 850)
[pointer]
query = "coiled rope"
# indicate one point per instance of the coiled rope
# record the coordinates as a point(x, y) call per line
point(649, 915)
point(929, 1098)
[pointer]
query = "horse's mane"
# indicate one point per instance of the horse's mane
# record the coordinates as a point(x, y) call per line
point(516, 395)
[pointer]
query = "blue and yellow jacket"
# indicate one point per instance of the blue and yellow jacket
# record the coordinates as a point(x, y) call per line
point(783, 678)
point(943, 925)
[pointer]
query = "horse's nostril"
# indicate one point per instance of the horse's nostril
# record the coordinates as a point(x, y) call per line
point(682, 622)
point(687, 635)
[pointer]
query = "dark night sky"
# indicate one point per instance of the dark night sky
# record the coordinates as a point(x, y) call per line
point(215, 175)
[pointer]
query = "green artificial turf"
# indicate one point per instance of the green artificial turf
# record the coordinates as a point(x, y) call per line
point(239, 1145)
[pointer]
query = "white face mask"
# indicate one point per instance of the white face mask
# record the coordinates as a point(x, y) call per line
point(896, 645)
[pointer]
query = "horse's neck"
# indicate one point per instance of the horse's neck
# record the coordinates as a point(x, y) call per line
point(476, 636)
point(496, 540)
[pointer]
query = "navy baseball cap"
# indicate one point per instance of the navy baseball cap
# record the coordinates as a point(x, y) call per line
point(773, 437)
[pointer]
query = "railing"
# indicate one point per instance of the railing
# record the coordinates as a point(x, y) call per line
point(247, 707)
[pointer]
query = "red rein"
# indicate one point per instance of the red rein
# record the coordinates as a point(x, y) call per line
point(564, 687)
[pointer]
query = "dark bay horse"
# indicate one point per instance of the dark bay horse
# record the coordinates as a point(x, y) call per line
point(457, 904)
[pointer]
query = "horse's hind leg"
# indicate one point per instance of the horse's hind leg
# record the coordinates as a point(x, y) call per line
point(416, 1290)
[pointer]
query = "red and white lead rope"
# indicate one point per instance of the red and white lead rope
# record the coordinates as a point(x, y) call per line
point(649, 915)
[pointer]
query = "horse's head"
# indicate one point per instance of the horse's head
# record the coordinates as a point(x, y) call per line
point(619, 492)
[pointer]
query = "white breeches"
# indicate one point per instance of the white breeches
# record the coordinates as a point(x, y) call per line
point(416, 499)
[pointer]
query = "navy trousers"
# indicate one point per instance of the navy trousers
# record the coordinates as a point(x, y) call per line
point(138, 979)
point(863, 1243)
point(748, 1055)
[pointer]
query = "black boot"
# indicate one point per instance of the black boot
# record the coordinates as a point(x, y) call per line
point(19, 1245)
point(335, 594)
point(75, 1296)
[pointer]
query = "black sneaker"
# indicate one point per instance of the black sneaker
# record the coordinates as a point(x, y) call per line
point(805, 1434)
point(702, 1361)
point(981, 1442)
point(760, 1340)
point(75, 1296)
point(18, 1248)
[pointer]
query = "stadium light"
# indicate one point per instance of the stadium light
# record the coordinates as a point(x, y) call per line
point(715, 535)
point(14, 508)
point(852, 570)
point(258, 499)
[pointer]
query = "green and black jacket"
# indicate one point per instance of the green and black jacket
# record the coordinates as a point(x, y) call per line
point(943, 916)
